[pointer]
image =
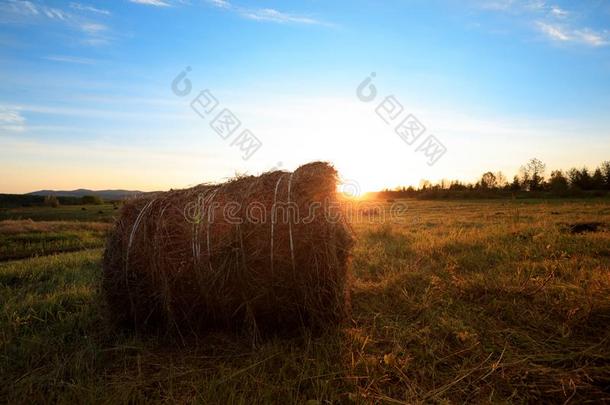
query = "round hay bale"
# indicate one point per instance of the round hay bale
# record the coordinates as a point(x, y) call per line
point(257, 253)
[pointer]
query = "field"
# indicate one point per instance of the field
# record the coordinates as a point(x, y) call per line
point(90, 213)
point(26, 238)
point(452, 302)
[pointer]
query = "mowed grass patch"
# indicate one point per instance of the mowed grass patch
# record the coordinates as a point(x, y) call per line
point(26, 238)
point(57, 345)
point(86, 213)
point(452, 302)
point(507, 308)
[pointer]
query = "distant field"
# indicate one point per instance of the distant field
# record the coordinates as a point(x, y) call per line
point(26, 238)
point(89, 213)
point(453, 302)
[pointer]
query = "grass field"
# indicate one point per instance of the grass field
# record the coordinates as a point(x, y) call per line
point(87, 213)
point(26, 238)
point(494, 301)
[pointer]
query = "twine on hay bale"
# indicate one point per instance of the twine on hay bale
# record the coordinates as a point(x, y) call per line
point(268, 252)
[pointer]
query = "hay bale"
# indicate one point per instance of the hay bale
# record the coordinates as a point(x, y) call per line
point(256, 253)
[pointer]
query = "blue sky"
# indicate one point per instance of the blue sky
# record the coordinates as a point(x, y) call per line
point(86, 98)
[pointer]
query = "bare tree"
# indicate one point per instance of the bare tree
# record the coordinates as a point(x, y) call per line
point(533, 174)
point(501, 180)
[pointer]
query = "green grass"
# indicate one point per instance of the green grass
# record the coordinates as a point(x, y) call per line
point(88, 213)
point(56, 345)
point(452, 302)
point(26, 238)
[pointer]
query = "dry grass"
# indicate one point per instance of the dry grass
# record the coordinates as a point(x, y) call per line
point(83, 213)
point(167, 273)
point(26, 238)
point(493, 301)
point(18, 226)
point(452, 302)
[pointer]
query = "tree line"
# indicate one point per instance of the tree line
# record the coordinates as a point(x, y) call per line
point(531, 181)
point(30, 200)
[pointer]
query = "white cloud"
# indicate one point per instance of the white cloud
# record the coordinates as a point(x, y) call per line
point(554, 32)
point(585, 36)
point(512, 6)
point(523, 7)
point(84, 7)
point(13, 10)
point(28, 12)
point(269, 14)
point(19, 7)
point(265, 14)
point(93, 28)
point(29, 6)
point(156, 3)
point(554, 22)
point(112, 112)
point(591, 37)
point(54, 13)
point(11, 120)
point(70, 59)
point(92, 41)
point(96, 33)
point(220, 3)
point(558, 12)
point(535, 5)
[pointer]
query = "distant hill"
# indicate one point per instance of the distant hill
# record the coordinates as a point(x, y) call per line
point(107, 195)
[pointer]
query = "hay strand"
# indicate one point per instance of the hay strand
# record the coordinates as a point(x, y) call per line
point(282, 269)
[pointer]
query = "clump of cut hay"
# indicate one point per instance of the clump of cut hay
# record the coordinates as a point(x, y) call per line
point(256, 253)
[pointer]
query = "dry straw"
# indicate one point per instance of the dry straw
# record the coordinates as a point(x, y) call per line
point(276, 260)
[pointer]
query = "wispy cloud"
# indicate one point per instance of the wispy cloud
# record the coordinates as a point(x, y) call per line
point(266, 14)
point(156, 3)
point(14, 10)
point(25, 6)
point(553, 22)
point(257, 14)
point(93, 28)
point(513, 6)
point(269, 14)
point(591, 37)
point(55, 13)
point(29, 12)
point(220, 3)
point(558, 12)
point(87, 8)
point(585, 36)
point(553, 31)
point(11, 120)
point(70, 59)
point(93, 112)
